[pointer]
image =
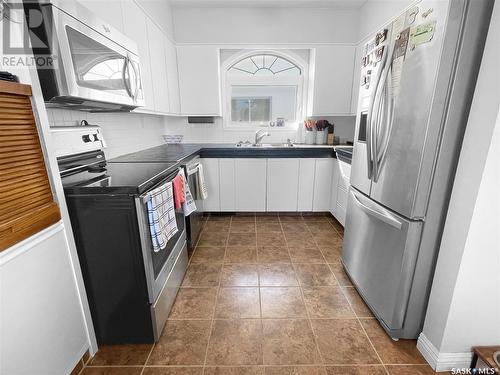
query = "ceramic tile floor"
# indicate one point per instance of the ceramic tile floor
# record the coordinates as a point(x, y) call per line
point(266, 295)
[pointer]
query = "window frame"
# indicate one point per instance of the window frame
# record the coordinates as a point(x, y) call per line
point(299, 82)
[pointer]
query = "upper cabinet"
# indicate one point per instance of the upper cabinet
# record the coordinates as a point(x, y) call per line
point(333, 80)
point(158, 61)
point(137, 30)
point(172, 77)
point(199, 80)
point(108, 11)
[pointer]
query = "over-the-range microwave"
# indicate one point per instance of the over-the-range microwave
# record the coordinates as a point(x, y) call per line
point(94, 67)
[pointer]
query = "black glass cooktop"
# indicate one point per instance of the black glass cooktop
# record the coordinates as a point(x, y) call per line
point(126, 178)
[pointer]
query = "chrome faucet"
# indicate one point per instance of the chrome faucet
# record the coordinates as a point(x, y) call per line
point(259, 135)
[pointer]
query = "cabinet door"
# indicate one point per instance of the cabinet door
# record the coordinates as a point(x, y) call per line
point(250, 184)
point(334, 190)
point(211, 172)
point(323, 184)
point(333, 80)
point(158, 67)
point(227, 185)
point(306, 184)
point(135, 19)
point(172, 77)
point(199, 82)
point(282, 184)
point(109, 11)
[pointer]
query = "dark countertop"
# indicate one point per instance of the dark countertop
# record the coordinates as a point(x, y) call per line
point(181, 151)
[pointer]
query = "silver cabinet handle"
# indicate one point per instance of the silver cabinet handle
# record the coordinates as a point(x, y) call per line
point(386, 218)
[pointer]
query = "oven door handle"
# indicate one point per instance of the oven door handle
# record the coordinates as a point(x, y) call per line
point(192, 169)
point(145, 196)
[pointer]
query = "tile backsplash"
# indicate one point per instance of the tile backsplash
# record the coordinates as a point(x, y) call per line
point(216, 133)
point(123, 132)
point(130, 132)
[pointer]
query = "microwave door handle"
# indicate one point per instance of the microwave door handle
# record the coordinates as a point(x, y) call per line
point(137, 80)
point(136, 89)
point(124, 78)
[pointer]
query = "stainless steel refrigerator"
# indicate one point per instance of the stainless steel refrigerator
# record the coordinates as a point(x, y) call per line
point(417, 81)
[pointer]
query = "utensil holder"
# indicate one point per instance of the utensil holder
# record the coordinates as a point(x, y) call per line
point(321, 136)
point(309, 137)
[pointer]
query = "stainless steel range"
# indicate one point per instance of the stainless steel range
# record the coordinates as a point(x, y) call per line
point(130, 287)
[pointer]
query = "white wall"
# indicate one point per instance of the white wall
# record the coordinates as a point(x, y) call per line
point(468, 261)
point(264, 25)
point(123, 132)
point(376, 13)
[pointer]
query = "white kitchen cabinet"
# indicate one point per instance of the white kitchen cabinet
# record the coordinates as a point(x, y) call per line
point(108, 11)
point(136, 30)
point(333, 80)
point(342, 192)
point(199, 81)
point(282, 184)
point(306, 184)
point(227, 188)
point(172, 77)
point(212, 182)
point(356, 78)
point(250, 184)
point(323, 175)
point(158, 67)
point(334, 189)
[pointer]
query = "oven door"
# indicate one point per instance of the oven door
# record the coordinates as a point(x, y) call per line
point(194, 222)
point(92, 66)
point(164, 269)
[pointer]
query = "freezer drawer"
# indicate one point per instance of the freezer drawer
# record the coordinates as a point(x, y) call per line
point(379, 254)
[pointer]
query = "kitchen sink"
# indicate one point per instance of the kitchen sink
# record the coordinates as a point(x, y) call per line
point(263, 145)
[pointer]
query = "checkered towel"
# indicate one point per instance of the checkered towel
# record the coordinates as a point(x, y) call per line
point(161, 214)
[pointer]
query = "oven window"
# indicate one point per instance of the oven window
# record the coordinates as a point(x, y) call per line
point(97, 66)
point(160, 258)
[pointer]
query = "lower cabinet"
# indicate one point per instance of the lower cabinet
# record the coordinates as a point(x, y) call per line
point(211, 172)
point(282, 184)
point(250, 184)
point(323, 173)
point(339, 191)
point(227, 185)
point(257, 185)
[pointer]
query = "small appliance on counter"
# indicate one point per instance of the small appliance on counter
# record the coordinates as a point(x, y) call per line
point(131, 283)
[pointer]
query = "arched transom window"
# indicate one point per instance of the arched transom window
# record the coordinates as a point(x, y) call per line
point(262, 90)
point(265, 64)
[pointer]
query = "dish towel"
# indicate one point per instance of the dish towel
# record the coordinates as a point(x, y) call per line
point(188, 206)
point(202, 187)
point(161, 214)
point(179, 192)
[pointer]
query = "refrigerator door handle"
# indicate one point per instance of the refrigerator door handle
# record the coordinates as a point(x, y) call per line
point(384, 124)
point(369, 120)
point(379, 104)
point(383, 216)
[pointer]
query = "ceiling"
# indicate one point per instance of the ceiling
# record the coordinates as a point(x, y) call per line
point(339, 4)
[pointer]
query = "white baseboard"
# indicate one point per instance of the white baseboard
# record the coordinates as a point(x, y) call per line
point(442, 361)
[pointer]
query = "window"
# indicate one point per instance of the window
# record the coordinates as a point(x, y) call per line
point(262, 90)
